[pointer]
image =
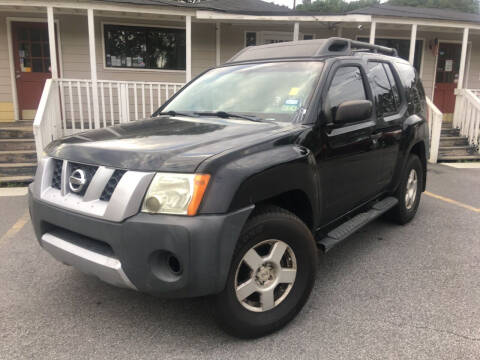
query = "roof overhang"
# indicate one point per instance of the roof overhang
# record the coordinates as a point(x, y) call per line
point(223, 16)
point(214, 15)
point(96, 5)
point(425, 22)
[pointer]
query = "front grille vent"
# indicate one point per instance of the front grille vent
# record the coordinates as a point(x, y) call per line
point(57, 174)
point(90, 171)
point(111, 185)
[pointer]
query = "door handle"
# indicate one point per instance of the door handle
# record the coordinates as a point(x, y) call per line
point(376, 136)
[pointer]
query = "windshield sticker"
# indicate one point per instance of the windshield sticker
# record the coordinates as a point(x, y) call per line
point(290, 105)
point(291, 102)
point(294, 91)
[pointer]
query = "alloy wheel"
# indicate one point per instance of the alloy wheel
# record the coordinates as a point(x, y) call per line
point(411, 189)
point(265, 275)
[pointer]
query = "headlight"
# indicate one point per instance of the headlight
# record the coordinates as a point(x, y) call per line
point(179, 194)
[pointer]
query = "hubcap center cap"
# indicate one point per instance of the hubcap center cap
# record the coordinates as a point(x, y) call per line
point(265, 275)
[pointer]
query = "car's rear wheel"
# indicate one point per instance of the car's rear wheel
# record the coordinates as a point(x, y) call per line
point(271, 275)
point(409, 191)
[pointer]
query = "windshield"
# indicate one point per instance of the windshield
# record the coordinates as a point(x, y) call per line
point(274, 91)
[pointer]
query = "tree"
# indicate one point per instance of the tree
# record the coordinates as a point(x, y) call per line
point(340, 6)
point(470, 6)
point(336, 6)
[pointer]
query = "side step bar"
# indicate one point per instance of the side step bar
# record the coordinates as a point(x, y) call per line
point(337, 235)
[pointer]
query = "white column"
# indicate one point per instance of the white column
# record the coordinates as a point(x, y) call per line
point(339, 31)
point(217, 42)
point(413, 42)
point(188, 61)
point(52, 43)
point(463, 59)
point(93, 66)
point(296, 31)
point(372, 32)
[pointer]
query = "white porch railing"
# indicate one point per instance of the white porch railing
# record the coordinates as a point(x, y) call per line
point(47, 122)
point(434, 119)
point(67, 105)
point(467, 115)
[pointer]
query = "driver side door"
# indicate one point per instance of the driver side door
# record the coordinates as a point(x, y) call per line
point(350, 161)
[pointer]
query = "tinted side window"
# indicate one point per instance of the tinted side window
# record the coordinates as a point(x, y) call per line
point(386, 103)
point(393, 83)
point(413, 88)
point(347, 85)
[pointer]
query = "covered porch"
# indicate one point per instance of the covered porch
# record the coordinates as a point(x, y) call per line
point(92, 86)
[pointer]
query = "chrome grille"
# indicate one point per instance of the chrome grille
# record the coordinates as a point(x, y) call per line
point(111, 194)
point(111, 185)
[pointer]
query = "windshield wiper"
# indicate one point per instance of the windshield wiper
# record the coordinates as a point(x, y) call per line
point(226, 115)
point(173, 113)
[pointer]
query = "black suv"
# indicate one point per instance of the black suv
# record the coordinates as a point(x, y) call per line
point(232, 185)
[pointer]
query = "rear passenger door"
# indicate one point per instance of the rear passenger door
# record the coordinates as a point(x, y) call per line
point(390, 116)
point(349, 163)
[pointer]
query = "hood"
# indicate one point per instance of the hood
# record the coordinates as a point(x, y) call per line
point(177, 144)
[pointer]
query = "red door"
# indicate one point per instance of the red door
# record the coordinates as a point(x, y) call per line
point(32, 64)
point(448, 68)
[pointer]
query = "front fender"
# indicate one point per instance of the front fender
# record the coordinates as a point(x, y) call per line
point(255, 177)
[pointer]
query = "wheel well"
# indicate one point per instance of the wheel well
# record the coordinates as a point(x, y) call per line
point(295, 201)
point(419, 150)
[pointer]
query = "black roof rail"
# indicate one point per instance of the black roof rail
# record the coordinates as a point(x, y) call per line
point(362, 46)
point(309, 48)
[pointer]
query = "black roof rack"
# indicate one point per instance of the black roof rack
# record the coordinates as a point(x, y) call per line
point(309, 48)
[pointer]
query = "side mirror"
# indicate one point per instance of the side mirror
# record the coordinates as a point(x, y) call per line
point(353, 111)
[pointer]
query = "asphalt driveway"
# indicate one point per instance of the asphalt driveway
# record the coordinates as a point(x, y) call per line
point(389, 292)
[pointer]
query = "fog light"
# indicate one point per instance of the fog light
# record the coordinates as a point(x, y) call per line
point(174, 265)
point(153, 204)
point(166, 266)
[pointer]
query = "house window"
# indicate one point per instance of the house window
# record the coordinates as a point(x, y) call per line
point(144, 47)
point(253, 38)
point(403, 48)
point(250, 38)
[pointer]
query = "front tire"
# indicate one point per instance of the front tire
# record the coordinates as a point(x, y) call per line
point(271, 275)
point(409, 191)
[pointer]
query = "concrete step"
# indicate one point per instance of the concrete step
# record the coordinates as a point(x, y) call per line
point(453, 141)
point(455, 150)
point(447, 125)
point(16, 144)
point(456, 158)
point(18, 156)
point(17, 169)
point(19, 123)
point(16, 132)
point(16, 179)
point(450, 132)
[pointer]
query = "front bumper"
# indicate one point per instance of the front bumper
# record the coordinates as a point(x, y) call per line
point(136, 253)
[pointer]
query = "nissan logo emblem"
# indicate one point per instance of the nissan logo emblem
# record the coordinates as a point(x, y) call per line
point(77, 180)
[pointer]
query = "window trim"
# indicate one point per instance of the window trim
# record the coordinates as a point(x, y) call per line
point(104, 55)
point(420, 73)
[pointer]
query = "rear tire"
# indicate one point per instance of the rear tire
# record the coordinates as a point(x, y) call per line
point(409, 191)
point(271, 275)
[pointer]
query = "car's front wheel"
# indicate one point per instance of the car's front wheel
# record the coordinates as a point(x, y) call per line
point(271, 275)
